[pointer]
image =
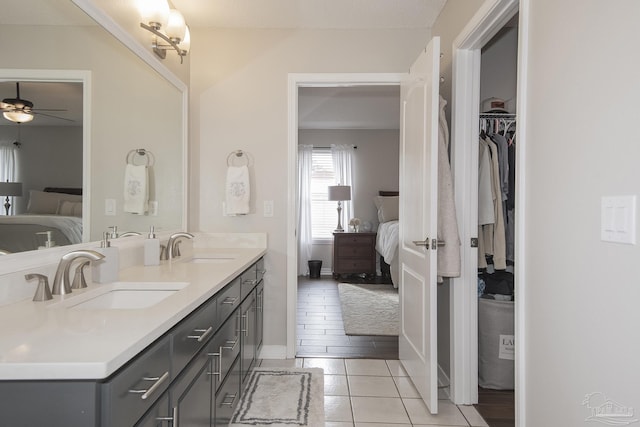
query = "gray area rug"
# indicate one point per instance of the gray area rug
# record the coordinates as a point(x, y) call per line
point(282, 398)
point(369, 309)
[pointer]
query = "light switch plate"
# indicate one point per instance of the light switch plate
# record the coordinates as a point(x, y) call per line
point(110, 207)
point(153, 208)
point(268, 208)
point(618, 219)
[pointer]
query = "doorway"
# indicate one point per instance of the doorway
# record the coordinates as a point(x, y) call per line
point(489, 20)
point(365, 117)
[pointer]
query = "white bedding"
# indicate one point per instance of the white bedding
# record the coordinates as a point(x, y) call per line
point(387, 240)
point(19, 230)
point(387, 246)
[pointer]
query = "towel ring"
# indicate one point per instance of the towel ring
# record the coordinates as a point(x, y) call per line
point(146, 154)
point(238, 154)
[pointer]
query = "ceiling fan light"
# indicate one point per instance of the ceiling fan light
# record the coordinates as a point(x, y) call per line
point(185, 44)
point(154, 12)
point(176, 27)
point(18, 116)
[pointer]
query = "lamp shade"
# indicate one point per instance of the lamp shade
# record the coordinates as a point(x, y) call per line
point(176, 26)
point(18, 116)
point(10, 189)
point(339, 192)
point(154, 11)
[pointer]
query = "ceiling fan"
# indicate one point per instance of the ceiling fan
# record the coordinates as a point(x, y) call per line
point(20, 110)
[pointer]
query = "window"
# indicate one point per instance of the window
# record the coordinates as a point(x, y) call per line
point(324, 216)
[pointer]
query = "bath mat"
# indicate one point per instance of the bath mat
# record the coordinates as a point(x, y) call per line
point(282, 398)
point(369, 309)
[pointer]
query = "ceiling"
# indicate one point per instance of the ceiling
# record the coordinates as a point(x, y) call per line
point(318, 14)
point(355, 107)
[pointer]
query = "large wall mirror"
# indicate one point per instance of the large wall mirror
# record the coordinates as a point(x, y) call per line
point(116, 105)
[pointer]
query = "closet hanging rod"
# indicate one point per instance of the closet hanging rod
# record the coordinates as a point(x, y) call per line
point(498, 116)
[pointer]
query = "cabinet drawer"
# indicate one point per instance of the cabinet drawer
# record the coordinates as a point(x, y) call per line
point(249, 281)
point(192, 334)
point(357, 239)
point(354, 251)
point(224, 348)
point(133, 390)
point(346, 265)
point(227, 301)
point(227, 396)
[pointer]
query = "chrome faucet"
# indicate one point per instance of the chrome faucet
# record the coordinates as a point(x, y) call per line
point(130, 234)
point(61, 281)
point(172, 250)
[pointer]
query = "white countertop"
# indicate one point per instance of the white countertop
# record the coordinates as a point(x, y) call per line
point(46, 340)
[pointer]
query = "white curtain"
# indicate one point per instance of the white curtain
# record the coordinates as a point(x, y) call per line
point(8, 171)
point(342, 166)
point(305, 162)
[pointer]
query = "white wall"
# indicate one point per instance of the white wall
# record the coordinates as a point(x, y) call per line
point(239, 101)
point(375, 167)
point(582, 294)
point(498, 70)
point(50, 156)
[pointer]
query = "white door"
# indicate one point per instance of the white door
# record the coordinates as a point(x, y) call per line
point(419, 223)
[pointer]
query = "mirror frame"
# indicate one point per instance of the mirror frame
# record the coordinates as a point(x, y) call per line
point(34, 259)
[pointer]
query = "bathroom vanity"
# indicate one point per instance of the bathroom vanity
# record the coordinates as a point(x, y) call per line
point(174, 351)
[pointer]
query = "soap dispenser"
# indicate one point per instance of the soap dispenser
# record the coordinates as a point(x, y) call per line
point(152, 248)
point(106, 270)
point(48, 243)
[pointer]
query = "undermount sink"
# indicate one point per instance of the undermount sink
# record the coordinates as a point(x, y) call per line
point(124, 296)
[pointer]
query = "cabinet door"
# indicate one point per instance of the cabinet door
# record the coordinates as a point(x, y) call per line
point(159, 415)
point(248, 334)
point(192, 396)
point(227, 396)
point(259, 317)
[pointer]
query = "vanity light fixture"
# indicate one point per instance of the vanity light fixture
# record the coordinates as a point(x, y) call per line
point(167, 25)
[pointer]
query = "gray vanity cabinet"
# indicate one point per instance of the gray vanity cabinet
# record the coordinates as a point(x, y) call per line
point(189, 377)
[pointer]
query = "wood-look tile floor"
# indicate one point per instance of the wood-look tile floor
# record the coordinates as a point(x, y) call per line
point(320, 330)
point(321, 334)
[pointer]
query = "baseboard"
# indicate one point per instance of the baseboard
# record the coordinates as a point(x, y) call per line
point(273, 352)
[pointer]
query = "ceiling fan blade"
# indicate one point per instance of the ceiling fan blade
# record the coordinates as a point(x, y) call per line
point(35, 110)
point(50, 115)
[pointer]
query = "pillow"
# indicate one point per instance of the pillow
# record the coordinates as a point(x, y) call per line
point(41, 202)
point(388, 209)
point(67, 208)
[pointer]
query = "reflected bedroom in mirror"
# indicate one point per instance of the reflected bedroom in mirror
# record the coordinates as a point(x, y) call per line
point(41, 164)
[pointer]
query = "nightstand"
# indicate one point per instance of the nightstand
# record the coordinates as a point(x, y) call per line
point(354, 253)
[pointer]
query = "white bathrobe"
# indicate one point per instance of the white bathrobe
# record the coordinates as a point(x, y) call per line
point(449, 254)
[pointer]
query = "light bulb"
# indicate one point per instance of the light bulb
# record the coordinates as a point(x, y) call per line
point(154, 12)
point(176, 26)
point(185, 44)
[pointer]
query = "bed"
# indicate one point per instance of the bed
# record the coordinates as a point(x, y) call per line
point(55, 210)
point(387, 238)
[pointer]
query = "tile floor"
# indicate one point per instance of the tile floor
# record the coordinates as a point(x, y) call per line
point(377, 393)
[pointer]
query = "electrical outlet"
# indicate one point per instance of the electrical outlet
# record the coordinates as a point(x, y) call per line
point(110, 207)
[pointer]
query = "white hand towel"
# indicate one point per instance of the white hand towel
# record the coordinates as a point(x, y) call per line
point(136, 189)
point(238, 191)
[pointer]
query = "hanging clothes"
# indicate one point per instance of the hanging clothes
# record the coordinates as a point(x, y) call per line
point(449, 254)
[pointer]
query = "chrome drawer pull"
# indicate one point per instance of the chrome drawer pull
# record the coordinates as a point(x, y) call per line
point(231, 345)
point(202, 337)
point(262, 271)
point(246, 327)
point(230, 300)
point(158, 382)
point(250, 282)
point(218, 355)
point(227, 396)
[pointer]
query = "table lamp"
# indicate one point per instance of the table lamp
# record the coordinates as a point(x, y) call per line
point(339, 193)
point(10, 189)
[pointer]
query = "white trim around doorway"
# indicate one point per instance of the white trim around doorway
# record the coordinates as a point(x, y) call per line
point(489, 19)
